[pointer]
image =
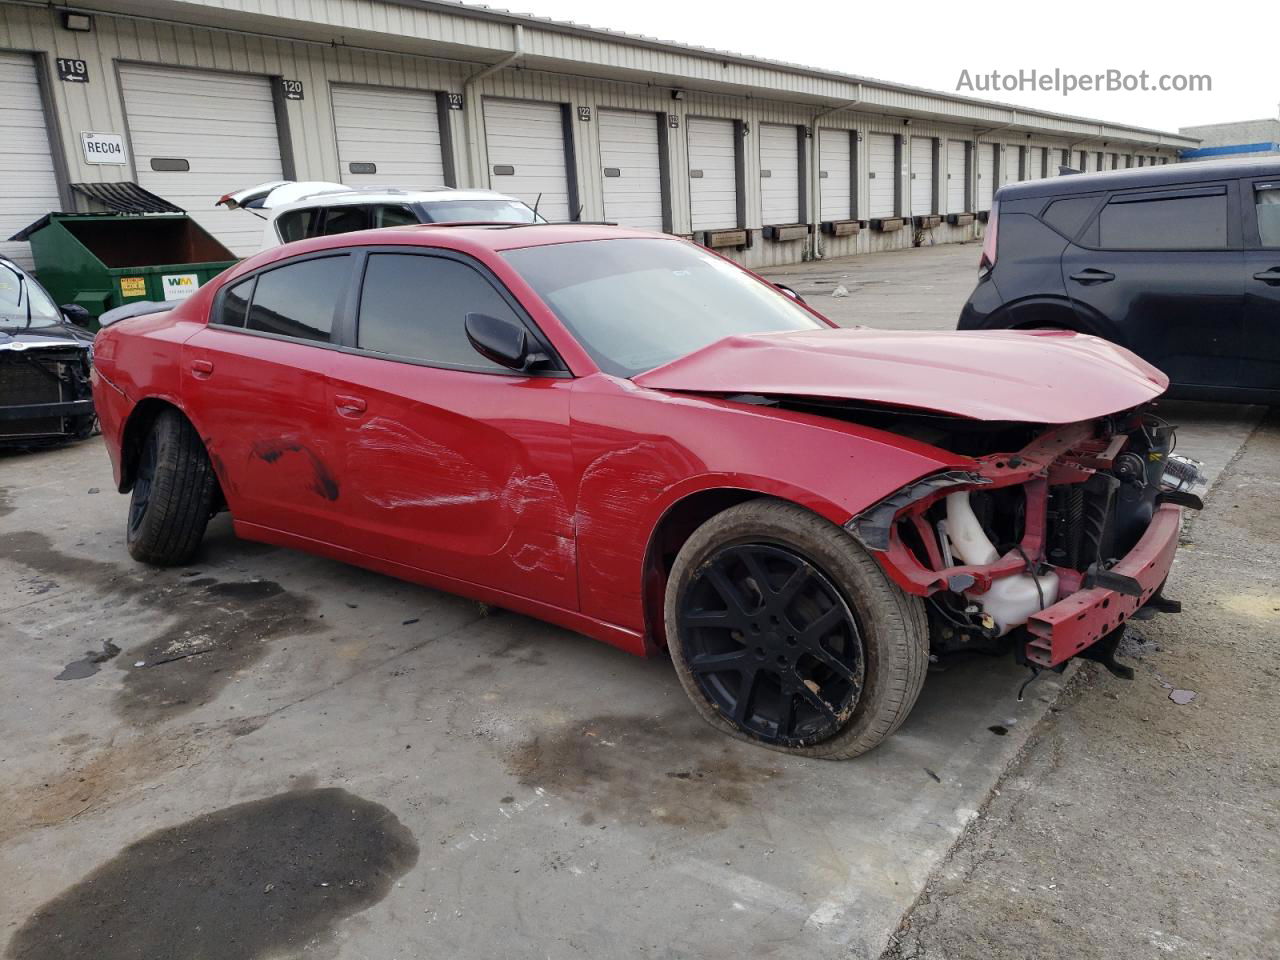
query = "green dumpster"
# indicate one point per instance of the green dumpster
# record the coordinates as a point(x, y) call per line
point(105, 260)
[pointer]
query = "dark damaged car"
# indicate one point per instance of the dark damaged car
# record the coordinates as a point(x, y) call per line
point(629, 436)
point(45, 395)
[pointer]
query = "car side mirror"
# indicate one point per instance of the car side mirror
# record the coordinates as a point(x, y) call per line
point(76, 314)
point(505, 342)
point(789, 292)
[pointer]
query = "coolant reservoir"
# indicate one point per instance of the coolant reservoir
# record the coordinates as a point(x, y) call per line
point(1011, 600)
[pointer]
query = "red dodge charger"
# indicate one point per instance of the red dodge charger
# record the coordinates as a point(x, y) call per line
point(627, 435)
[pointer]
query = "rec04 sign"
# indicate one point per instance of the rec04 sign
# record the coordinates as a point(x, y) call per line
point(103, 148)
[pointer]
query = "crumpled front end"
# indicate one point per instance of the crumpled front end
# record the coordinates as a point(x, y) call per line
point(1048, 549)
point(44, 392)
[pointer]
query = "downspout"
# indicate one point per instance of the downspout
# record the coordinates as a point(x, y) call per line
point(473, 114)
point(815, 199)
point(977, 142)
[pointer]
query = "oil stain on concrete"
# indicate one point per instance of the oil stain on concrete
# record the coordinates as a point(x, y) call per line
point(268, 878)
point(90, 663)
point(216, 628)
point(673, 770)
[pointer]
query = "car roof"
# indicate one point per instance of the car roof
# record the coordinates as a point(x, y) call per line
point(387, 195)
point(475, 239)
point(1167, 174)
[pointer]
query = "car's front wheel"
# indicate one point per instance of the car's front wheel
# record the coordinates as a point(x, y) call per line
point(173, 493)
point(784, 632)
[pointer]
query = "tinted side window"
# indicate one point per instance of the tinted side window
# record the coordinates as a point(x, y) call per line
point(300, 299)
point(396, 216)
point(416, 306)
point(1266, 199)
point(345, 220)
point(1068, 215)
point(294, 225)
point(1164, 223)
point(235, 303)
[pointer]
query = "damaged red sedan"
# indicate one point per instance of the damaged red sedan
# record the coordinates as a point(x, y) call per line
point(627, 435)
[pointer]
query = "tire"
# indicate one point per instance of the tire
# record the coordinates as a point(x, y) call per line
point(173, 493)
point(835, 691)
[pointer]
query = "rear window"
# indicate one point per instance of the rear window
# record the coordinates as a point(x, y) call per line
point(1189, 221)
point(1068, 216)
point(294, 225)
point(235, 303)
point(300, 299)
point(1266, 199)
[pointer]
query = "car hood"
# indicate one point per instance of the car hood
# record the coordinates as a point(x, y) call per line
point(1048, 376)
point(60, 335)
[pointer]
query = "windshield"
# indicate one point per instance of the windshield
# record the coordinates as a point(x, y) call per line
point(635, 304)
point(478, 211)
point(23, 300)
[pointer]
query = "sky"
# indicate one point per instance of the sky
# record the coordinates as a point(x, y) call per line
point(931, 44)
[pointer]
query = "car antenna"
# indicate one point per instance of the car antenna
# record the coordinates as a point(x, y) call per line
point(535, 207)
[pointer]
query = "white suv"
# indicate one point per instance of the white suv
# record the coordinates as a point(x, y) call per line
point(296, 210)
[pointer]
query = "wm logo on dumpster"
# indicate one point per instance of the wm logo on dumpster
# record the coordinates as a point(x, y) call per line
point(179, 286)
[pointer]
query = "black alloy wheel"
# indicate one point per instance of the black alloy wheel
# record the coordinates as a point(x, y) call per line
point(772, 643)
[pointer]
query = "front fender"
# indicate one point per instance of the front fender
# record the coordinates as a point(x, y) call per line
point(640, 452)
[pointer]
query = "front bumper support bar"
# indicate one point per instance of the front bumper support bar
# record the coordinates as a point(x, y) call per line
point(1061, 631)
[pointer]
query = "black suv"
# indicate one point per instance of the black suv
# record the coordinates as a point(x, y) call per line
point(1179, 263)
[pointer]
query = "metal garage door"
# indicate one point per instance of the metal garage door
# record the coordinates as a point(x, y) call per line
point(527, 156)
point(1008, 163)
point(197, 135)
point(632, 170)
point(986, 174)
point(956, 177)
point(389, 137)
point(883, 173)
point(779, 173)
point(921, 175)
point(835, 174)
point(28, 186)
point(1035, 163)
point(713, 176)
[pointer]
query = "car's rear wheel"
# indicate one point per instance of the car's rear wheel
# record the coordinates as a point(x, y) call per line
point(785, 633)
point(173, 493)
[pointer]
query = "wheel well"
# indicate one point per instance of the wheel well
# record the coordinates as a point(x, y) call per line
point(135, 433)
point(136, 429)
point(675, 527)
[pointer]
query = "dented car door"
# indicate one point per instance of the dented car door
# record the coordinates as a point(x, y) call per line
point(454, 464)
point(256, 378)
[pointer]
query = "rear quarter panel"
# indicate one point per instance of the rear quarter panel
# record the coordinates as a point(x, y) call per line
point(139, 359)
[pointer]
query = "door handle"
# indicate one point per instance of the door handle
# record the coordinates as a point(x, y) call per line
point(349, 406)
point(1271, 276)
point(202, 369)
point(1092, 275)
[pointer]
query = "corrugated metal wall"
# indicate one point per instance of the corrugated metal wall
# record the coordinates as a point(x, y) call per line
point(308, 135)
